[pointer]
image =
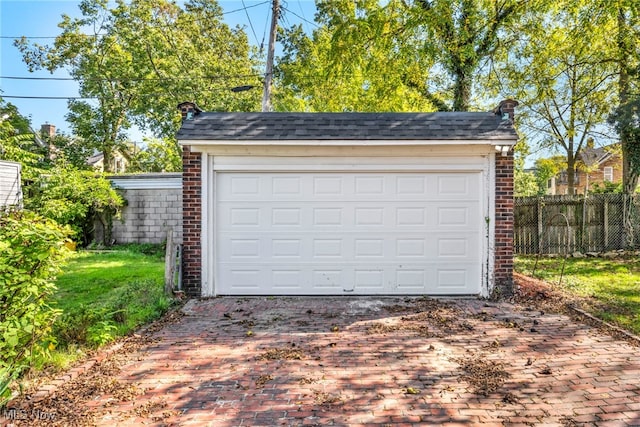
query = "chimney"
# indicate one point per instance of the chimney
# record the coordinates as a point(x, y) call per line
point(188, 110)
point(48, 130)
point(506, 109)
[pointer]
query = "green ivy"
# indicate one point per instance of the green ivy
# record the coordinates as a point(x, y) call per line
point(31, 252)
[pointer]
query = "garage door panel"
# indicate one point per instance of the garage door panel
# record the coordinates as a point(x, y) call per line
point(336, 279)
point(318, 233)
point(328, 247)
point(350, 187)
point(345, 216)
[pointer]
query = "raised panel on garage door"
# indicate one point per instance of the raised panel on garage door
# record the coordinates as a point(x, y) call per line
point(318, 233)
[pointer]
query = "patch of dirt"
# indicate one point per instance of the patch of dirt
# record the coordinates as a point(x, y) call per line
point(262, 380)
point(569, 422)
point(152, 406)
point(381, 328)
point(322, 398)
point(282, 353)
point(483, 375)
point(307, 380)
point(246, 323)
point(418, 305)
point(442, 317)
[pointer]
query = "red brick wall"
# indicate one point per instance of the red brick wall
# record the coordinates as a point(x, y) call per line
point(503, 267)
point(192, 215)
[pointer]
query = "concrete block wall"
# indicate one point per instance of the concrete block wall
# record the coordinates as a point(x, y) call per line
point(154, 206)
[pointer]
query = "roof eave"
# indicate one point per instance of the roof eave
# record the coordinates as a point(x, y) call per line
point(494, 141)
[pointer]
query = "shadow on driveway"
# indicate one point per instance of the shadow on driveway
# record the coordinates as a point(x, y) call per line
point(360, 361)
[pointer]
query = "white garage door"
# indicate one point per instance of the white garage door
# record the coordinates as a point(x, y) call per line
point(330, 233)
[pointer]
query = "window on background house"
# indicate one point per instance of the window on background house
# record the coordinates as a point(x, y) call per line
point(608, 174)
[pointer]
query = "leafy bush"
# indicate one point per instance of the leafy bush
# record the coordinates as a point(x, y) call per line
point(121, 311)
point(31, 252)
point(77, 198)
point(606, 188)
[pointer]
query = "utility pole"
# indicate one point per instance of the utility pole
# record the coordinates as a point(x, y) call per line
point(266, 97)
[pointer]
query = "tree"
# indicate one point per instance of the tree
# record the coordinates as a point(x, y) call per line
point(626, 117)
point(68, 151)
point(158, 155)
point(137, 60)
point(435, 49)
point(561, 73)
point(17, 142)
point(77, 199)
point(546, 169)
point(340, 68)
point(524, 182)
point(462, 35)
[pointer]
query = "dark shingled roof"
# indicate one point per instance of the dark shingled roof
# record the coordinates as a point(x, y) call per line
point(347, 126)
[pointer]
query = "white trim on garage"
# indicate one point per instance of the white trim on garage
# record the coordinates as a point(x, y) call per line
point(427, 159)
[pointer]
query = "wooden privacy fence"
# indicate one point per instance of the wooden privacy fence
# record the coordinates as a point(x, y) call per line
point(596, 223)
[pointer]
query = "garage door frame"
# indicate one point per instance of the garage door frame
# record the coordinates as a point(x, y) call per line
point(423, 159)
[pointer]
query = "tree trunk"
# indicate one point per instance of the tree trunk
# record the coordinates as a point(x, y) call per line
point(629, 176)
point(107, 160)
point(461, 92)
point(571, 171)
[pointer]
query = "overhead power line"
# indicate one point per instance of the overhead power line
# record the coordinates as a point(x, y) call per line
point(46, 97)
point(300, 17)
point(242, 88)
point(151, 26)
point(133, 79)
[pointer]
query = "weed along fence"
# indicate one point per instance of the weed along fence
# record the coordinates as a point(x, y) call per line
point(569, 224)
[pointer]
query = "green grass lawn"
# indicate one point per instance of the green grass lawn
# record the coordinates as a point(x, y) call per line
point(607, 288)
point(104, 295)
point(90, 277)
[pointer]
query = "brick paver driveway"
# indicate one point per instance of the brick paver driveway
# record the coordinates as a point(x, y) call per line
point(375, 361)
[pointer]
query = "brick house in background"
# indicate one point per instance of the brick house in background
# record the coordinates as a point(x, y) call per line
point(597, 166)
point(348, 203)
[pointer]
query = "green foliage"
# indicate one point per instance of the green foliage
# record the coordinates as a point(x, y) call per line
point(159, 155)
point(117, 312)
point(524, 182)
point(609, 289)
point(606, 187)
point(567, 68)
point(397, 55)
point(17, 143)
point(351, 64)
point(108, 293)
point(77, 199)
point(153, 249)
point(626, 120)
point(31, 253)
point(139, 60)
point(69, 152)
point(547, 168)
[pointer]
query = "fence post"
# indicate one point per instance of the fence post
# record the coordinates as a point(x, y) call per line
point(169, 263)
point(605, 220)
point(540, 226)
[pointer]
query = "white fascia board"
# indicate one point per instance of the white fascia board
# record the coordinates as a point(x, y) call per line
point(200, 145)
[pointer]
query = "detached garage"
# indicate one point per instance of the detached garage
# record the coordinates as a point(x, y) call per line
point(347, 203)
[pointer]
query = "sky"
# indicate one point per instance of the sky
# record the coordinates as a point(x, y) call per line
point(38, 21)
